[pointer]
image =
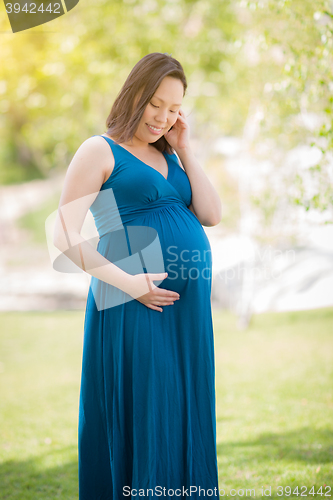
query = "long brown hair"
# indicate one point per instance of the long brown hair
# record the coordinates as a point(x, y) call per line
point(134, 96)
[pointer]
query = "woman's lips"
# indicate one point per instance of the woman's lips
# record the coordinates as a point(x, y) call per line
point(153, 131)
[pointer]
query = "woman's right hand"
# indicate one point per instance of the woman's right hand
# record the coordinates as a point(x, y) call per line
point(155, 297)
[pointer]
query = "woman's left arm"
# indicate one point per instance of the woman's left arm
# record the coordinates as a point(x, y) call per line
point(206, 203)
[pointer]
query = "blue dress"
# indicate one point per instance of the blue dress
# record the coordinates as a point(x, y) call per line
point(147, 417)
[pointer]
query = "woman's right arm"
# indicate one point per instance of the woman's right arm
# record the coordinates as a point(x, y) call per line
point(84, 178)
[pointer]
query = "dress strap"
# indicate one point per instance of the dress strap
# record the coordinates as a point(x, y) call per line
point(115, 155)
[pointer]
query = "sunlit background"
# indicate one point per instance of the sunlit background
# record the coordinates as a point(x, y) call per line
point(259, 104)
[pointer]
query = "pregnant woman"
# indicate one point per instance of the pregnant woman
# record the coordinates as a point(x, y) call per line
point(147, 422)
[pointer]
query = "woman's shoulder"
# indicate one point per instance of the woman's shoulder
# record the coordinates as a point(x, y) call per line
point(96, 143)
point(96, 151)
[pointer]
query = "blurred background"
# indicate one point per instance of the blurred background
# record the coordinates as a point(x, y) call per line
point(259, 104)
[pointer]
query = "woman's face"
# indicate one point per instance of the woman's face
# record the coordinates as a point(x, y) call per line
point(162, 110)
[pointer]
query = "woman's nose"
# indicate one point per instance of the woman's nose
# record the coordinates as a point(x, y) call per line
point(161, 116)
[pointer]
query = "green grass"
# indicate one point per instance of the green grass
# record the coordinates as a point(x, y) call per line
point(40, 355)
point(274, 399)
point(274, 387)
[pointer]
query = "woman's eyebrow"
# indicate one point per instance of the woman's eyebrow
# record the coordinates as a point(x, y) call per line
point(164, 101)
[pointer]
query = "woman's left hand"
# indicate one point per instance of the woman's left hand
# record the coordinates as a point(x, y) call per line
point(178, 137)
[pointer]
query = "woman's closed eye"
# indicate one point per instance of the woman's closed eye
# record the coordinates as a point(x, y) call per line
point(158, 107)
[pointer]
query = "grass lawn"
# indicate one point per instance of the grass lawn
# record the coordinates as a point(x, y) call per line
point(274, 401)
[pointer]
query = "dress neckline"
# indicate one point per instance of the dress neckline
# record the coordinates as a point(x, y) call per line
point(149, 166)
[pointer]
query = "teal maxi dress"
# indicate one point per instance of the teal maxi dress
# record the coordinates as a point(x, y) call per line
point(147, 418)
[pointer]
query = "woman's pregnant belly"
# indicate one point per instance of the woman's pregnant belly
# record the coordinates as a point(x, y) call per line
point(169, 240)
point(185, 248)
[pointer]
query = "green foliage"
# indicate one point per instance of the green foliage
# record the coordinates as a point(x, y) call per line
point(58, 86)
point(229, 191)
point(58, 81)
point(34, 221)
point(297, 100)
